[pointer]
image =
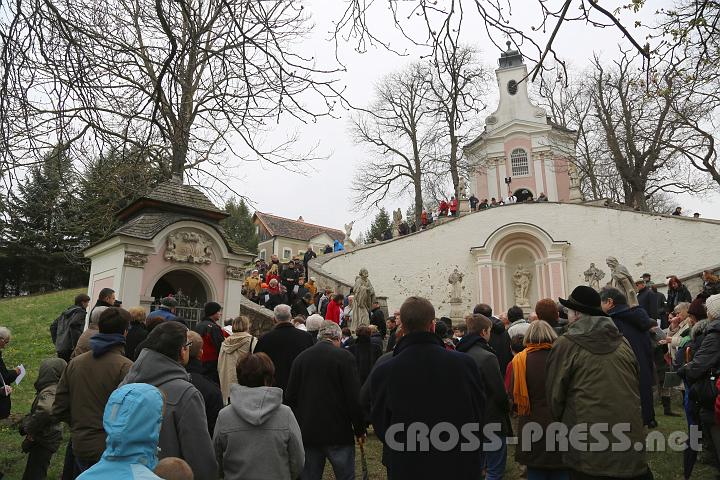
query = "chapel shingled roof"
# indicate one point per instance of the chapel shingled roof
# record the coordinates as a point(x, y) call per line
point(296, 229)
point(173, 195)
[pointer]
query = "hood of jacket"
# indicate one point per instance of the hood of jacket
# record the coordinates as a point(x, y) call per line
point(156, 369)
point(235, 342)
point(102, 343)
point(472, 339)
point(51, 370)
point(700, 328)
point(598, 335)
point(255, 405)
point(635, 316)
point(132, 420)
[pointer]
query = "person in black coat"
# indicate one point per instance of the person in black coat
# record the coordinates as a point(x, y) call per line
point(8, 376)
point(283, 344)
point(324, 394)
point(377, 318)
point(290, 277)
point(365, 351)
point(677, 292)
point(647, 299)
point(67, 328)
point(635, 324)
point(213, 336)
point(426, 383)
point(137, 333)
point(210, 391)
point(499, 338)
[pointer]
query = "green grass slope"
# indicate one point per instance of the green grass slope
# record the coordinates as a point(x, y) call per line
point(29, 319)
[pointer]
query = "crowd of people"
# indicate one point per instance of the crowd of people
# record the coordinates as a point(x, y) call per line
point(146, 397)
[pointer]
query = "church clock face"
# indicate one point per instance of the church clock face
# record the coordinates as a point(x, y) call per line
point(512, 87)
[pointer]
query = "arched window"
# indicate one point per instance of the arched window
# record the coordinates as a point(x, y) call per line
point(519, 163)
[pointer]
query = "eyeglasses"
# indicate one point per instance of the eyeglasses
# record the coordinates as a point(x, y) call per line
point(188, 344)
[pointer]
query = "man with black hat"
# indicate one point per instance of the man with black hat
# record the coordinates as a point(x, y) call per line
point(593, 380)
point(213, 336)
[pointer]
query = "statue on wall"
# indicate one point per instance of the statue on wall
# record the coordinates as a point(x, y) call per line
point(455, 280)
point(189, 247)
point(593, 275)
point(364, 296)
point(397, 220)
point(621, 279)
point(521, 285)
point(348, 242)
point(462, 189)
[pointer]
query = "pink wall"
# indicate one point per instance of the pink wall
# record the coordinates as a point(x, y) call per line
point(481, 185)
point(563, 179)
point(511, 144)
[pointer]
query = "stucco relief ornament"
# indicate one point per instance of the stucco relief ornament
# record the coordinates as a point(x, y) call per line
point(189, 247)
point(521, 285)
point(593, 275)
point(235, 273)
point(133, 259)
point(455, 280)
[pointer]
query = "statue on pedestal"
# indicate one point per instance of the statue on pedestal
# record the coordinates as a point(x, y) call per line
point(593, 275)
point(397, 220)
point(364, 296)
point(521, 285)
point(621, 279)
point(455, 291)
point(348, 242)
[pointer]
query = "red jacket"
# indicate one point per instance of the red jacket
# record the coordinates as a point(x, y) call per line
point(443, 206)
point(453, 205)
point(333, 312)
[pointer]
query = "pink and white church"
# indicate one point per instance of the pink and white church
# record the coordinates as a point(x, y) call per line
point(520, 147)
point(520, 253)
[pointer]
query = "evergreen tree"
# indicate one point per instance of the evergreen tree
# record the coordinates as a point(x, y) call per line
point(239, 225)
point(40, 240)
point(380, 224)
point(110, 183)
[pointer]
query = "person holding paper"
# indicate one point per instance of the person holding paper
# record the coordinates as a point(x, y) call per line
point(6, 376)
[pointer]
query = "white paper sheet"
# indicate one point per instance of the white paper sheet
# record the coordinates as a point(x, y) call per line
point(22, 374)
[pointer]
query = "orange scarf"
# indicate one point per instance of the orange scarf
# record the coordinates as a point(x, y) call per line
point(521, 397)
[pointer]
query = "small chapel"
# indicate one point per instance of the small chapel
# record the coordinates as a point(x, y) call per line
point(522, 252)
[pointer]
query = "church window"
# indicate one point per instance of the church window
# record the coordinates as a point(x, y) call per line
point(519, 163)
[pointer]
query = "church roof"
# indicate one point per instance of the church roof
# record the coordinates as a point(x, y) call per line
point(552, 124)
point(296, 229)
point(174, 195)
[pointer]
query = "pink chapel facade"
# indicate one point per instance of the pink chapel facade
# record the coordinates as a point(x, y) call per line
point(520, 144)
point(170, 242)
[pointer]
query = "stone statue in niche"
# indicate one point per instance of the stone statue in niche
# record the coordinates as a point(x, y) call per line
point(593, 275)
point(189, 247)
point(363, 298)
point(521, 285)
point(455, 280)
point(621, 279)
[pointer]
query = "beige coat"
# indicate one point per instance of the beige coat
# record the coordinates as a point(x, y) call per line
point(233, 349)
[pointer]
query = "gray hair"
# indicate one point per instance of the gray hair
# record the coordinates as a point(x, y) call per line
point(329, 331)
point(282, 313)
point(681, 307)
point(5, 333)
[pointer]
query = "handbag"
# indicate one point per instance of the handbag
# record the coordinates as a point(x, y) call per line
point(704, 392)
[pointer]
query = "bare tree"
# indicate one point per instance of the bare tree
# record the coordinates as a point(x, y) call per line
point(642, 130)
point(182, 79)
point(401, 132)
point(457, 89)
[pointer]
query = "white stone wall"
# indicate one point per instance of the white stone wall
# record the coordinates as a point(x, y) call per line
point(420, 264)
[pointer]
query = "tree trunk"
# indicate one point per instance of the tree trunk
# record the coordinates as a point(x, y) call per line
point(418, 201)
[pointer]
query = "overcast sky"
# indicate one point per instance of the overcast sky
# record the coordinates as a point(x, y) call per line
point(322, 194)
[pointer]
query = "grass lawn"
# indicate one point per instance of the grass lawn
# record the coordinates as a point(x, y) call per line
point(29, 319)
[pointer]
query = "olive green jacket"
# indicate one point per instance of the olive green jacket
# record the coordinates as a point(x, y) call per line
point(593, 379)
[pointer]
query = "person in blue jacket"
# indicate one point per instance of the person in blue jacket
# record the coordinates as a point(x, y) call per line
point(338, 247)
point(132, 420)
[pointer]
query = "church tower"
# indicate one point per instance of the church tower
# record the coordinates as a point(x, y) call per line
point(521, 148)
